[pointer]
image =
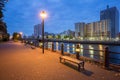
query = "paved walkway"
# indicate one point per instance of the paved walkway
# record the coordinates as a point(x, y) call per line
point(19, 62)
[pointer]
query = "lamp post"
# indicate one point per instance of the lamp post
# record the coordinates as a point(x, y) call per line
point(21, 33)
point(43, 16)
point(77, 51)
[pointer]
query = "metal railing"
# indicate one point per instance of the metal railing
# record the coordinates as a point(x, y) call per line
point(106, 59)
point(113, 59)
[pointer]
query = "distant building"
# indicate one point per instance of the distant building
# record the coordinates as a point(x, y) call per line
point(79, 29)
point(49, 35)
point(111, 14)
point(96, 30)
point(69, 33)
point(106, 28)
point(38, 31)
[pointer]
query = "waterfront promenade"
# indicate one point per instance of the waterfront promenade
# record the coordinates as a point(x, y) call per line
point(20, 62)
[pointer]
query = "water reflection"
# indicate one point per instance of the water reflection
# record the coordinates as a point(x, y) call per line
point(68, 49)
point(92, 53)
point(81, 50)
point(73, 49)
point(101, 48)
point(57, 45)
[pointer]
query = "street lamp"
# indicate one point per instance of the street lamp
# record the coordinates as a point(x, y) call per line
point(20, 33)
point(43, 15)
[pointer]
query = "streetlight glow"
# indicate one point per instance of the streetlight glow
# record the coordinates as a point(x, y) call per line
point(43, 14)
point(20, 33)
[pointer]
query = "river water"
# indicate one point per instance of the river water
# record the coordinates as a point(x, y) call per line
point(93, 53)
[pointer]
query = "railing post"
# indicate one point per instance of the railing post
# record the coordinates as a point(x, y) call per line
point(106, 58)
point(46, 45)
point(62, 49)
point(52, 46)
point(77, 50)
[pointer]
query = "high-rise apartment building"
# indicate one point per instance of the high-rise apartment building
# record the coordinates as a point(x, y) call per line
point(111, 14)
point(79, 29)
point(96, 30)
point(106, 28)
point(37, 30)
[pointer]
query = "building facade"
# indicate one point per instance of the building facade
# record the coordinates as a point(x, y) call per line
point(79, 29)
point(111, 14)
point(95, 30)
point(106, 28)
point(38, 31)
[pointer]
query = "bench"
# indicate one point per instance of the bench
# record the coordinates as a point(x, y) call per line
point(32, 47)
point(76, 61)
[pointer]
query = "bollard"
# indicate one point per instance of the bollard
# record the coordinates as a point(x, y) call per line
point(52, 46)
point(77, 51)
point(62, 49)
point(106, 58)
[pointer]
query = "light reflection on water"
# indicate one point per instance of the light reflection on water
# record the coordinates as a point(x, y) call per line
point(81, 50)
point(70, 48)
point(73, 49)
point(57, 45)
point(91, 51)
point(101, 48)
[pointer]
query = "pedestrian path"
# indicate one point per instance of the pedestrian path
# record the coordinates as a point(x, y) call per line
point(24, 63)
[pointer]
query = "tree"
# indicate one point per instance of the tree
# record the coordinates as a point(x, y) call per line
point(16, 36)
point(3, 26)
point(66, 36)
point(2, 4)
point(1, 14)
point(6, 37)
point(70, 36)
point(59, 37)
point(53, 36)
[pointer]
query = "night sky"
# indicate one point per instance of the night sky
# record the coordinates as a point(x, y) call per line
point(22, 15)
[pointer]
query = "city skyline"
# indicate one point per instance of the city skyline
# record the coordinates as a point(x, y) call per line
point(106, 28)
point(22, 16)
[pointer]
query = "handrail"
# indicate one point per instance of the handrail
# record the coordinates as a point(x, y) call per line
point(70, 47)
point(114, 58)
point(114, 52)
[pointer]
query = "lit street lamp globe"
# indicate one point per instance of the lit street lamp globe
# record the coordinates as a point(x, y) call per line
point(43, 14)
point(20, 33)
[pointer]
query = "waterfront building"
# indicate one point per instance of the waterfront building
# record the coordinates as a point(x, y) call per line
point(79, 29)
point(95, 30)
point(111, 14)
point(102, 30)
point(38, 30)
point(107, 28)
point(68, 33)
